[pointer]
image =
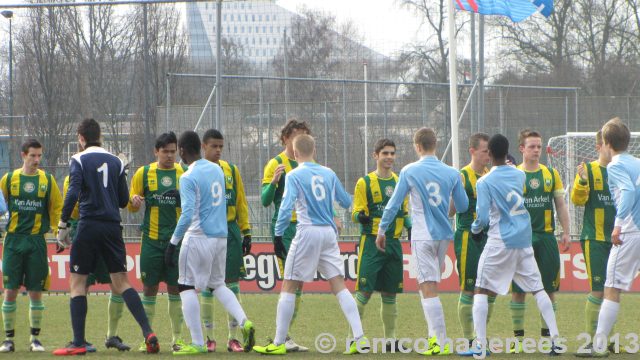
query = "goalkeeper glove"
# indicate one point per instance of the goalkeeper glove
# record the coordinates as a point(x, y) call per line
point(173, 194)
point(478, 237)
point(246, 245)
point(169, 254)
point(409, 234)
point(363, 218)
point(278, 247)
point(62, 238)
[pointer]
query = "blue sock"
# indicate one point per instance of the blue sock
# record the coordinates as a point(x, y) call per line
point(78, 305)
point(134, 304)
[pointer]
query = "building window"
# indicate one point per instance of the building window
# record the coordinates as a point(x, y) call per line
point(242, 29)
point(264, 29)
point(259, 17)
point(253, 41)
point(267, 17)
point(228, 29)
point(273, 17)
point(242, 6)
point(235, 29)
point(224, 17)
point(249, 29)
point(260, 41)
point(264, 52)
point(206, 6)
point(267, 41)
point(257, 29)
point(271, 29)
point(253, 17)
point(278, 29)
point(246, 17)
point(210, 18)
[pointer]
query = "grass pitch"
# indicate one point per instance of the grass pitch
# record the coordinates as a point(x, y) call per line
point(319, 314)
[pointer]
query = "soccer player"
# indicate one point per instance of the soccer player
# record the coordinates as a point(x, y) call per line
point(273, 186)
point(431, 184)
point(34, 203)
point(100, 276)
point(591, 190)
point(468, 252)
point(202, 228)
point(238, 239)
point(97, 181)
point(151, 186)
point(379, 271)
point(508, 254)
point(624, 259)
point(312, 189)
point(543, 190)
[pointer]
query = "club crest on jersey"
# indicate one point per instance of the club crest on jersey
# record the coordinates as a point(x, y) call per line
point(547, 182)
point(43, 187)
point(29, 187)
point(166, 181)
point(229, 179)
point(388, 190)
point(534, 183)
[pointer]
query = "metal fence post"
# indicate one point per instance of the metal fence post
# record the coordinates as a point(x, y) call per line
point(500, 111)
point(566, 114)
point(344, 134)
point(424, 106)
point(384, 119)
point(260, 129)
point(326, 137)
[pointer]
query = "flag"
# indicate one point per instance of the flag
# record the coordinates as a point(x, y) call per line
point(516, 10)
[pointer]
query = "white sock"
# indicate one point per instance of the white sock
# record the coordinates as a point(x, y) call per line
point(546, 309)
point(350, 311)
point(606, 320)
point(191, 313)
point(286, 306)
point(480, 310)
point(434, 314)
point(230, 302)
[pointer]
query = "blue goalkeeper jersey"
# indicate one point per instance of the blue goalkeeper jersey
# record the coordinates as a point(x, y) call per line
point(624, 183)
point(431, 183)
point(203, 202)
point(311, 188)
point(501, 207)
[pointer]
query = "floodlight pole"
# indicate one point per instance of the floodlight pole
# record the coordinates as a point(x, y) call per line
point(9, 14)
point(218, 63)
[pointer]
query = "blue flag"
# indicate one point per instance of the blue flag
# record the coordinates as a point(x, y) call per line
point(516, 10)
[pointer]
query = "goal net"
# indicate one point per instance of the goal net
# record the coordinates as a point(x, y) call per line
point(565, 153)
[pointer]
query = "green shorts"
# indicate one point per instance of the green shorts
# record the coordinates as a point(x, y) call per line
point(287, 238)
point(152, 267)
point(24, 262)
point(596, 255)
point(547, 254)
point(468, 254)
point(234, 270)
point(379, 271)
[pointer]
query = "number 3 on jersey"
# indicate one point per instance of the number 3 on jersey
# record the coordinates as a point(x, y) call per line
point(517, 208)
point(433, 189)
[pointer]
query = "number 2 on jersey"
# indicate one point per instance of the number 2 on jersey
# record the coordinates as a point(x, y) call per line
point(515, 208)
point(104, 169)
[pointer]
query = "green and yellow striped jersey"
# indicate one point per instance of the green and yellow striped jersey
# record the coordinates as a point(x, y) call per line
point(599, 209)
point(469, 180)
point(269, 170)
point(161, 213)
point(541, 187)
point(34, 202)
point(237, 207)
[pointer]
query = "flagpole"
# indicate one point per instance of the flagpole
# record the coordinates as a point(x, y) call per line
point(453, 86)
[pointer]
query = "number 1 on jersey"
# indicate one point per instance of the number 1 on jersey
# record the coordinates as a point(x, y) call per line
point(104, 169)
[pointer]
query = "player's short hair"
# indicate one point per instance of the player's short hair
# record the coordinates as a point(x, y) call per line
point(89, 129)
point(189, 142)
point(599, 137)
point(426, 138)
point(475, 139)
point(165, 139)
point(212, 134)
point(381, 144)
point(30, 143)
point(527, 133)
point(291, 125)
point(616, 134)
point(304, 144)
point(499, 146)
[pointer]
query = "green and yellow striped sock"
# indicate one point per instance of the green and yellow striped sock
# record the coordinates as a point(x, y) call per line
point(36, 312)
point(361, 302)
point(517, 316)
point(233, 324)
point(149, 304)
point(9, 318)
point(175, 315)
point(206, 309)
point(389, 315)
point(591, 312)
point(115, 307)
point(465, 315)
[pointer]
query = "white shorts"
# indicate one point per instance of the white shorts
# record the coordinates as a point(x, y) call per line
point(498, 266)
point(624, 261)
point(202, 261)
point(313, 249)
point(429, 256)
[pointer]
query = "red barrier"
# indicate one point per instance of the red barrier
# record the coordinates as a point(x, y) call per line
point(263, 273)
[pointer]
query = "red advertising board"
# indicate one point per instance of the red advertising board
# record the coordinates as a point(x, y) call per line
point(263, 273)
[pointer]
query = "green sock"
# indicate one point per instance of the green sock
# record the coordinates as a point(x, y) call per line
point(591, 312)
point(297, 306)
point(389, 315)
point(9, 317)
point(36, 312)
point(543, 324)
point(465, 315)
point(149, 304)
point(233, 324)
point(361, 301)
point(517, 316)
point(116, 304)
point(206, 309)
point(175, 315)
point(492, 301)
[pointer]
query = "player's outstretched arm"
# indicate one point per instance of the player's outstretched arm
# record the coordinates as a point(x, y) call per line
point(187, 202)
point(286, 207)
point(622, 189)
point(394, 203)
point(460, 199)
point(342, 196)
point(482, 208)
point(123, 190)
point(55, 203)
point(360, 204)
point(73, 192)
point(136, 195)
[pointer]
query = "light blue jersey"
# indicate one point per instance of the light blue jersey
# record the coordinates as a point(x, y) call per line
point(312, 189)
point(431, 183)
point(624, 183)
point(204, 206)
point(501, 207)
